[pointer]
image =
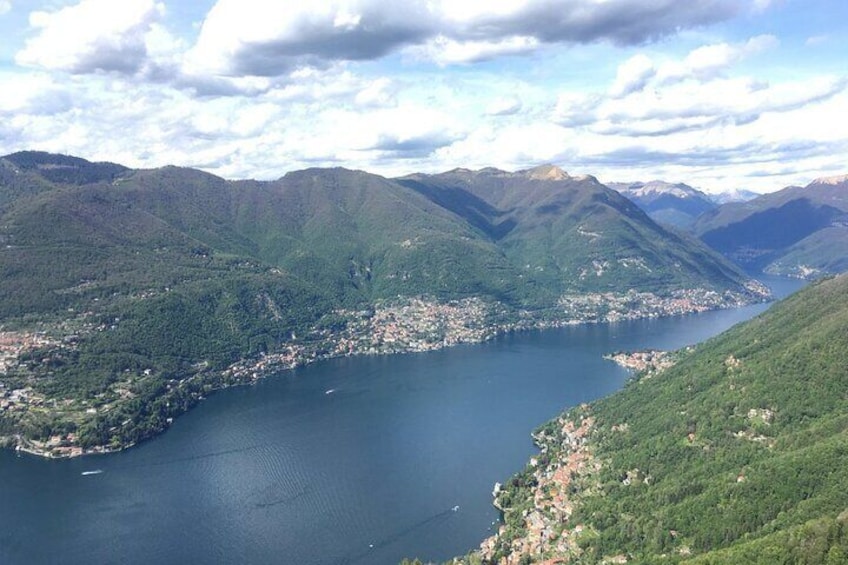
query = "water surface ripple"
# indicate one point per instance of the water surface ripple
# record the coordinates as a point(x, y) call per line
point(398, 460)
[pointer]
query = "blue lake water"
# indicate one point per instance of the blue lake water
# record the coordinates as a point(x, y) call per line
point(357, 460)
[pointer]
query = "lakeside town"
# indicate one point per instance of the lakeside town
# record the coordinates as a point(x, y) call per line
point(541, 498)
point(645, 364)
point(403, 325)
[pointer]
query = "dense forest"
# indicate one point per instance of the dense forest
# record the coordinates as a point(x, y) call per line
point(736, 454)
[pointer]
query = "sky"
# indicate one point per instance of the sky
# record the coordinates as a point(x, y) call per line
point(719, 94)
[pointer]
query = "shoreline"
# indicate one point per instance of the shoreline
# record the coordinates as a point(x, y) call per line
point(454, 330)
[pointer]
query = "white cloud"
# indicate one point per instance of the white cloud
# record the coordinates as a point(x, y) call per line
point(5, 7)
point(515, 146)
point(379, 93)
point(633, 75)
point(31, 94)
point(692, 105)
point(504, 106)
point(576, 109)
point(93, 35)
point(445, 51)
point(695, 119)
point(710, 61)
point(255, 37)
point(280, 89)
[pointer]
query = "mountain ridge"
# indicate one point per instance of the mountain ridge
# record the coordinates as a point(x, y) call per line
point(676, 204)
point(128, 295)
point(581, 222)
point(782, 232)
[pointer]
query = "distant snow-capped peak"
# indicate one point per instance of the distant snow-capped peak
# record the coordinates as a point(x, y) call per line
point(839, 179)
point(657, 188)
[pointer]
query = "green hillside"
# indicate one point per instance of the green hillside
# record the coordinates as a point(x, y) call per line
point(797, 231)
point(126, 295)
point(736, 454)
point(574, 231)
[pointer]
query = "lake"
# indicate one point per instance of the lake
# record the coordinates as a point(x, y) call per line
point(355, 460)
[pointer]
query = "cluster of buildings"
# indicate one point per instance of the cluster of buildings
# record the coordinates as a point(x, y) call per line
point(632, 305)
point(13, 344)
point(547, 528)
point(648, 363)
point(19, 399)
point(418, 324)
point(55, 446)
point(401, 326)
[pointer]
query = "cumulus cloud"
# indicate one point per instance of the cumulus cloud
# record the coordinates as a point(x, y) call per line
point(31, 94)
point(576, 109)
point(5, 7)
point(93, 35)
point(379, 93)
point(705, 118)
point(269, 87)
point(254, 37)
point(412, 147)
point(506, 106)
point(632, 76)
point(444, 51)
point(692, 106)
point(688, 94)
point(710, 61)
point(404, 132)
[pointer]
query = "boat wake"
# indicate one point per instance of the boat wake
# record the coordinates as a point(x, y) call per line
point(392, 538)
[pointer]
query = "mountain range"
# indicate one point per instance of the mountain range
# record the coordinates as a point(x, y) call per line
point(734, 195)
point(675, 204)
point(570, 232)
point(127, 295)
point(797, 231)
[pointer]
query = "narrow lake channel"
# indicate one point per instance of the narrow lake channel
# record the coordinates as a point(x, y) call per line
point(359, 460)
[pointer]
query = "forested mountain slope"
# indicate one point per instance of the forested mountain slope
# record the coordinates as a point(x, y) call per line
point(736, 454)
point(573, 230)
point(798, 231)
point(126, 295)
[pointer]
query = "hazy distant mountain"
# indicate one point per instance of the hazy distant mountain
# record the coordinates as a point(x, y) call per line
point(799, 231)
point(675, 204)
point(736, 195)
